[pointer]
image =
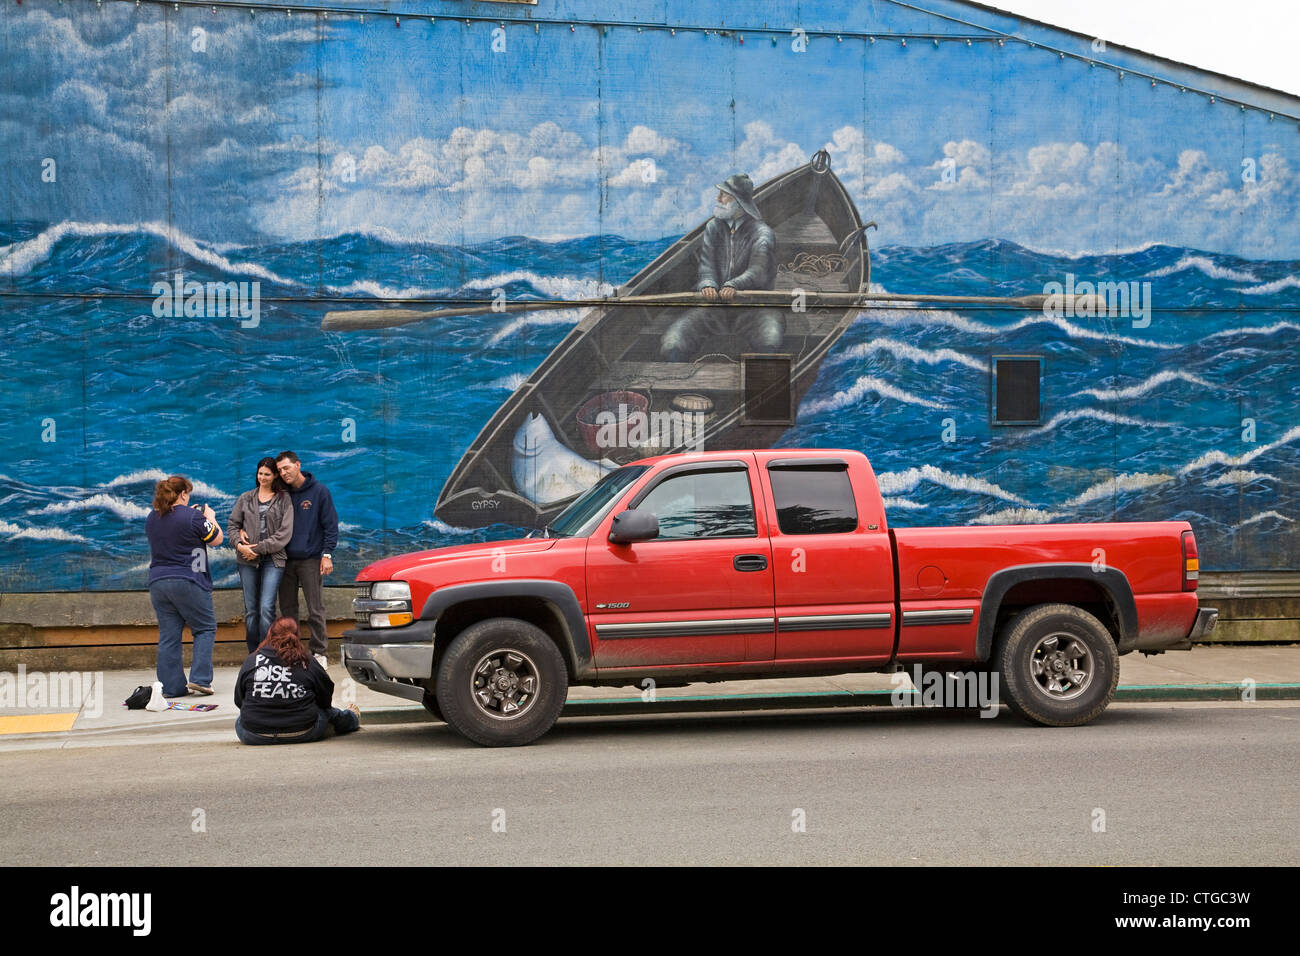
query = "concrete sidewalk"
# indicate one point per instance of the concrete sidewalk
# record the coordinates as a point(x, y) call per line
point(33, 708)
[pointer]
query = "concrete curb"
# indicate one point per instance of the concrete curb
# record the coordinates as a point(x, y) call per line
point(717, 703)
point(667, 706)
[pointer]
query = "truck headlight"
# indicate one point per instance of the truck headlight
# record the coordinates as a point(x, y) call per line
point(391, 591)
point(384, 604)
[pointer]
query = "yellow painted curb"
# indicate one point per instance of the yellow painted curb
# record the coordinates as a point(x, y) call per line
point(36, 723)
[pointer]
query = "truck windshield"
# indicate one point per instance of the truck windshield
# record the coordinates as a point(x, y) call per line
point(585, 513)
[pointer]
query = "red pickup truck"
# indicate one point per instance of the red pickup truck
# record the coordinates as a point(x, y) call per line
point(763, 564)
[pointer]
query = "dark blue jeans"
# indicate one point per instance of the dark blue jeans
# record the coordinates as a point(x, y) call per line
point(260, 585)
point(179, 602)
point(342, 722)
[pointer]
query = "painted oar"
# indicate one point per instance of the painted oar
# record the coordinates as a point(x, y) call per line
point(361, 319)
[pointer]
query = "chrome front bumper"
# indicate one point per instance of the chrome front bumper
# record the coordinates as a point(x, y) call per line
point(379, 667)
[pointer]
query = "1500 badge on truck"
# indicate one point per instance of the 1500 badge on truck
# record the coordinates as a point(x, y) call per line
point(753, 564)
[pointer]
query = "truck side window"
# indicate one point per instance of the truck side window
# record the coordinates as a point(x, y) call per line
point(816, 500)
point(715, 504)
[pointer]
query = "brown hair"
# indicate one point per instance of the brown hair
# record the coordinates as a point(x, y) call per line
point(277, 483)
point(287, 454)
point(167, 491)
point(284, 639)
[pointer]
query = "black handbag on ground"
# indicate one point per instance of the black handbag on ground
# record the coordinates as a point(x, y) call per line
point(139, 697)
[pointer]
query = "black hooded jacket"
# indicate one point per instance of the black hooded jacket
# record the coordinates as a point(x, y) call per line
point(275, 698)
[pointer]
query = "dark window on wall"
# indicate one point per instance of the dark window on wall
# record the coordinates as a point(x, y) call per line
point(1017, 389)
point(814, 500)
point(766, 384)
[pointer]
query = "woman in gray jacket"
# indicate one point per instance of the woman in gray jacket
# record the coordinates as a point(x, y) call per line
point(261, 524)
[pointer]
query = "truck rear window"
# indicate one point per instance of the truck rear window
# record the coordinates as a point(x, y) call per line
point(817, 500)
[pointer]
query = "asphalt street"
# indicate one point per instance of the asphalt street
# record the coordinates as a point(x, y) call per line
point(1153, 784)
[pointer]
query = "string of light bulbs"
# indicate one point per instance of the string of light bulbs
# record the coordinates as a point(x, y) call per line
point(987, 35)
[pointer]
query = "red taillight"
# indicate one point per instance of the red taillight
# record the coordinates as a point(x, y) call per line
point(1191, 562)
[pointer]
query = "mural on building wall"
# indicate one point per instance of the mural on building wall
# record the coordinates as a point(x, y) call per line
point(190, 194)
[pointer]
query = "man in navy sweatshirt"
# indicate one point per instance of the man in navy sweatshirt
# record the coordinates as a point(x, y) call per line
point(309, 555)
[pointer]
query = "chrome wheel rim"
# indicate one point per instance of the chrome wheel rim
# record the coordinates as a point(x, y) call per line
point(504, 684)
point(1062, 666)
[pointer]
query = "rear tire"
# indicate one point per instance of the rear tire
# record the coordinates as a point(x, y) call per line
point(1059, 666)
point(502, 683)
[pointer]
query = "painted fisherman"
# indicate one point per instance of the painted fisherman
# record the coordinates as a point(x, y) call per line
point(737, 253)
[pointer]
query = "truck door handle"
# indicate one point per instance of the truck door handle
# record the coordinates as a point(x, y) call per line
point(749, 562)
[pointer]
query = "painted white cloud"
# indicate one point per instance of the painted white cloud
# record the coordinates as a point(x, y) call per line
point(1195, 176)
point(891, 186)
point(643, 141)
point(637, 174)
point(516, 182)
point(963, 167)
point(763, 154)
point(655, 185)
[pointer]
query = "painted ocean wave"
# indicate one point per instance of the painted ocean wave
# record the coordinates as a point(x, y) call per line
point(1239, 477)
point(19, 258)
point(1139, 424)
point(1206, 266)
point(1147, 385)
point(900, 317)
point(1018, 516)
point(893, 483)
point(120, 507)
point(1277, 285)
point(1098, 415)
point(866, 386)
point(910, 353)
point(1218, 457)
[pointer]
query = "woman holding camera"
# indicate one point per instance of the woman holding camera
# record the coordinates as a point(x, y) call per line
point(180, 585)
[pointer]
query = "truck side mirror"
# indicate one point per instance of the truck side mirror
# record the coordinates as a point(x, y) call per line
point(633, 525)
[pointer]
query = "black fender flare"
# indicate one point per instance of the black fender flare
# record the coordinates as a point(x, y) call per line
point(1111, 580)
point(560, 596)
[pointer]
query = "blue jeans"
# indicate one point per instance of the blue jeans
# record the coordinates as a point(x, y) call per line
point(343, 722)
point(179, 602)
point(260, 584)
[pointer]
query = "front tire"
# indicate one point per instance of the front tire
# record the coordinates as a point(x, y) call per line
point(502, 683)
point(1059, 665)
point(430, 703)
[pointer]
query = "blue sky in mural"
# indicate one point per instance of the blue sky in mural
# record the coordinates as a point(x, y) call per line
point(938, 144)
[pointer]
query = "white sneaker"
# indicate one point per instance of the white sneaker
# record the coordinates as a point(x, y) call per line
point(322, 660)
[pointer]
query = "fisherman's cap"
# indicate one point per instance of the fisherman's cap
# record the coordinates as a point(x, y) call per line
point(740, 188)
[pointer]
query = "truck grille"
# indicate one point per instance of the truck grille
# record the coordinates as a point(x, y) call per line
point(363, 593)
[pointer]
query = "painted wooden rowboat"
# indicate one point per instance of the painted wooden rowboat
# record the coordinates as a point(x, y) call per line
point(605, 396)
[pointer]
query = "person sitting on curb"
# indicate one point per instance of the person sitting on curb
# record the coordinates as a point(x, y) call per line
point(284, 695)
